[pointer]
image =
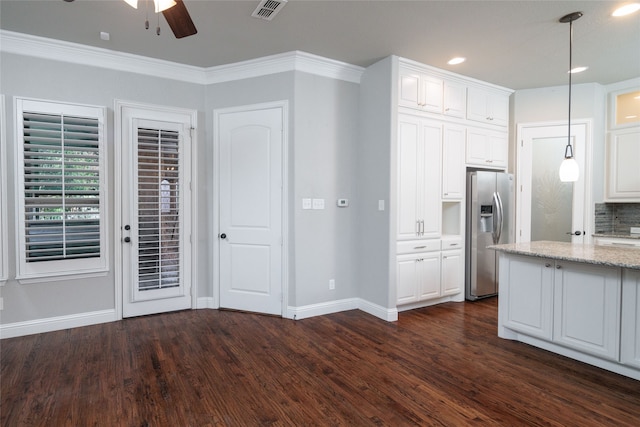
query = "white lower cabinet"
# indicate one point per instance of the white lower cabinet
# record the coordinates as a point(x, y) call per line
point(587, 308)
point(424, 272)
point(418, 277)
point(451, 272)
point(573, 304)
point(630, 328)
point(529, 296)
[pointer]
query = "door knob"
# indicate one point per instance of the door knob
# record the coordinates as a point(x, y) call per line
point(577, 232)
point(223, 236)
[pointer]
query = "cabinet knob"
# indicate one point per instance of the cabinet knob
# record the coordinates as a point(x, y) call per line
point(558, 267)
point(547, 265)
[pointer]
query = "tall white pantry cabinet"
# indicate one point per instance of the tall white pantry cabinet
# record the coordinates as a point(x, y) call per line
point(440, 124)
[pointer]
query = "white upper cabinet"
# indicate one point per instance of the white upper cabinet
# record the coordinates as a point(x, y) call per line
point(487, 148)
point(420, 91)
point(419, 174)
point(455, 99)
point(487, 107)
point(622, 165)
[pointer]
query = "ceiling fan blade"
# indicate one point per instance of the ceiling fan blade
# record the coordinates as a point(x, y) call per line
point(179, 20)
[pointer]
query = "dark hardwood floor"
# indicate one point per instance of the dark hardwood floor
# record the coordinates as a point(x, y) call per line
point(441, 365)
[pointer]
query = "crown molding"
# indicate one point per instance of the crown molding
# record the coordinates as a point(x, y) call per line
point(57, 50)
point(75, 53)
point(283, 62)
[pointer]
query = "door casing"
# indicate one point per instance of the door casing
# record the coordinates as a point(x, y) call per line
point(155, 112)
point(585, 127)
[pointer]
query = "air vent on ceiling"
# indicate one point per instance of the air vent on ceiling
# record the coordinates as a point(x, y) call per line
point(268, 9)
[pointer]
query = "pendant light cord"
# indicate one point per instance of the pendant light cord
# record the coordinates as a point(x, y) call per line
point(568, 152)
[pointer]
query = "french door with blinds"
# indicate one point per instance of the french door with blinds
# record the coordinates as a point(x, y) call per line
point(156, 212)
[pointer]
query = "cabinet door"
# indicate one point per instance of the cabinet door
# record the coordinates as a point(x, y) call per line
point(409, 89)
point(630, 338)
point(430, 94)
point(623, 157)
point(487, 107)
point(587, 308)
point(498, 108)
point(487, 148)
point(452, 272)
point(477, 148)
point(407, 192)
point(453, 181)
point(499, 149)
point(429, 275)
point(455, 99)
point(429, 177)
point(529, 296)
point(407, 279)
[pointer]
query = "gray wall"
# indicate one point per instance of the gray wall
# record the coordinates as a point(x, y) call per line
point(325, 133)
point(323, 129)
point(37, 78)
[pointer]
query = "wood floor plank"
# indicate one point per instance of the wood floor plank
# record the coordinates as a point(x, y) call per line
point(440, 366)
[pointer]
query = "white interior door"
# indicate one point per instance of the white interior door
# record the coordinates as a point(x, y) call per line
point(250, 221)
point(156, 208)
point(549, 209)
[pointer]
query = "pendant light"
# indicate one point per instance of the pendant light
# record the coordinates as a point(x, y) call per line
point(569, 171)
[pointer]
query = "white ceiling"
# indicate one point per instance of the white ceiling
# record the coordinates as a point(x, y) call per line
point(517, 44)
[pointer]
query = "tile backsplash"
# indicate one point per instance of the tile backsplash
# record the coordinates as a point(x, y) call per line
point(616, 218)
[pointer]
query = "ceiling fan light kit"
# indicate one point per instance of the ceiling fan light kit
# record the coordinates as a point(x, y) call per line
point(159, 5)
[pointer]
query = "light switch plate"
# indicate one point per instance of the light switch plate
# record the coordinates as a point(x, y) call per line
point(306, 203)
point(318, 203)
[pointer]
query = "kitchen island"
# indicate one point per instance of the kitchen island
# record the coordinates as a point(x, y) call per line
point(580, 301)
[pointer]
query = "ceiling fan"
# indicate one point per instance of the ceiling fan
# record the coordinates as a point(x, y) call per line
point(176, 14)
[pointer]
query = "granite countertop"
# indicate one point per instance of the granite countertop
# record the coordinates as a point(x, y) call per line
point(591, 254)
point(618, 235)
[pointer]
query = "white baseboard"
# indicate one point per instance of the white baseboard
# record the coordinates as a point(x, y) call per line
point(312, 310)
point(206, 302)
point(304, 312)
point(388, 314)
point(50, 324)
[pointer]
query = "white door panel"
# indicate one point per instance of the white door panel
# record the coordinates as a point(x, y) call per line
point(250, 163)
point(547, 208)
point(155, 211)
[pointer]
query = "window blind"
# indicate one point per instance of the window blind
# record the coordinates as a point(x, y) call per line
point(158, 209)
point(61, 186)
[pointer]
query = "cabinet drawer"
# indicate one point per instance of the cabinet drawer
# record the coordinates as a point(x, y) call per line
point(413, 246)
point(450, 244)
point(619, 242)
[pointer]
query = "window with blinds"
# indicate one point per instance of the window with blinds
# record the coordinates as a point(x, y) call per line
point(61, 168)
point(158, 209)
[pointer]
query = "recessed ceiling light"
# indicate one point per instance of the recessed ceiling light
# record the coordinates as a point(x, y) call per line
point(457, 60)
point(627, 9)
point(578, 70)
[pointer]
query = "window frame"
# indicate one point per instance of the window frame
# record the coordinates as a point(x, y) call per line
point(59, 269)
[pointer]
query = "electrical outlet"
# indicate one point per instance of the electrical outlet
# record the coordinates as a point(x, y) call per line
point(332, 284)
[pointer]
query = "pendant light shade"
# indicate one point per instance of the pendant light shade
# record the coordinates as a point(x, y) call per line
point(569, 170)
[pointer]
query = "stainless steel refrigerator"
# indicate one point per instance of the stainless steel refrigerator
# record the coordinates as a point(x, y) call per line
point(490, 201)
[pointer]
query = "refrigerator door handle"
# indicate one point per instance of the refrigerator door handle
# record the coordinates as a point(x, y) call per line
point(498, 218)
